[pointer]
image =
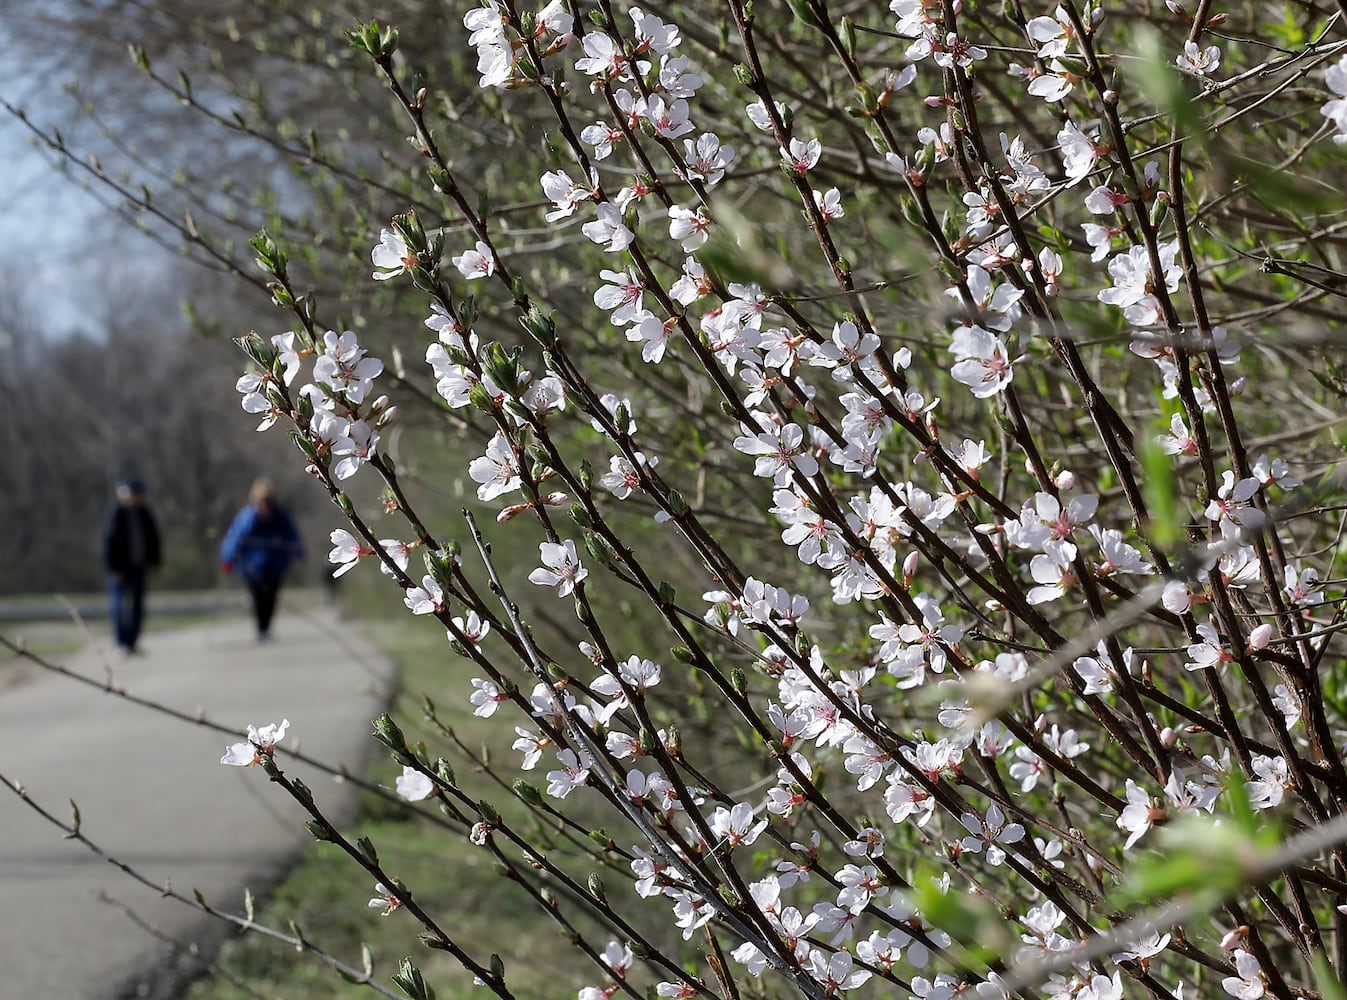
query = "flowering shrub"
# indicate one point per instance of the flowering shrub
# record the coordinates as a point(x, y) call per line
point(954, 348)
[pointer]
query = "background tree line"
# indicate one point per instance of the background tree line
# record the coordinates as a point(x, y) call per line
point(135, 391)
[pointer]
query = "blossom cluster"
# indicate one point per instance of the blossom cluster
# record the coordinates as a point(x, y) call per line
point(989, 645)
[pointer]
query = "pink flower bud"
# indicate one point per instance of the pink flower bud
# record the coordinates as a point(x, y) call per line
point(1168, 738)
point(909, 568)
point(514, 510)
point(1258, 638)
point(1065, 480)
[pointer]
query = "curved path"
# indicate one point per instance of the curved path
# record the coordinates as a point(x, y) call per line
point(152, 793)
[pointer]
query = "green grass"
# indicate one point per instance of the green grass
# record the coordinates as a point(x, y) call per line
point(326, 895)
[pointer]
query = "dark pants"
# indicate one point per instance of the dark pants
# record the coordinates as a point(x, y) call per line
point(264, 590)
point(126, 596)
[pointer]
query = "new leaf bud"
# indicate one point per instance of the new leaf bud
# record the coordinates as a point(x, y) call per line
point(386, 731)
point(367, 849)
point(596, 887)
point(527, 793)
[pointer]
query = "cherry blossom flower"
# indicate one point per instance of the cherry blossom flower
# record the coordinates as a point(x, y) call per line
point(1247, 983)
point(706, 158)
point(1274, 471)
point(956, 51)
point(982, 362)
point(688, 226)
point(990, 834)
point(802, 157)
point(653, 34)
point(1139, 814)
point(572, 774)
point(1231, 507)
point(564, 193)
point(777, 451)
point(1210, 652)
point(652, 333)
point(391, 256)
point(1079, 152)
point(1100, 239)
point(692, 285)
point(621, 296)
point(669, 118)
point(553, 19)
point(1273, 781)
point(414, 786)
point(1053, 34)
point(1055, 84)
point(1177, 440)
point(837, 972)
point(254, 386)
point(344, 365)
point(486, 698)
point(531, 745)
point(495, 62)
point(1335, 78)
point(384, 899)
point(289, 351)
point(479, 262)
point(1097, 678)
point(1118, 555)
point(355, 448)
point(427, 599)
point(346, 552)
point(757, 114)
point(1302, 585)
point(675, 79)
point(603, 138)
point(829, 204)
point(603, 57)
point(1197, 61)
point(608, 230)
point(735, 826)
point(1288, 703)
point(561, 567)
point(1132, 278)
point(1053, 573)
point(621, 477)
point(1101, 987)
point(261, 743)
point(473, 629)
point(496, 471)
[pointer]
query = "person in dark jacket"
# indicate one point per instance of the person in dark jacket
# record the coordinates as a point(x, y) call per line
point(130, 551)
point(259, 546)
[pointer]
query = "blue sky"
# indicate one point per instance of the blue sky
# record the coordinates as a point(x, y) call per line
point(60, 237)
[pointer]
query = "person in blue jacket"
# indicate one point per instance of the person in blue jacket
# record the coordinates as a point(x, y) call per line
point(259, 546)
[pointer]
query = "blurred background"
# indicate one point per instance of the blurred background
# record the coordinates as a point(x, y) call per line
point(142, 145)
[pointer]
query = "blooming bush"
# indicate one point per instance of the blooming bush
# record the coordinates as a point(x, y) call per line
point(949, 368)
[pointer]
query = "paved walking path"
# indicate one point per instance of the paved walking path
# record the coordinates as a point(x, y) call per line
point(151, 792)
